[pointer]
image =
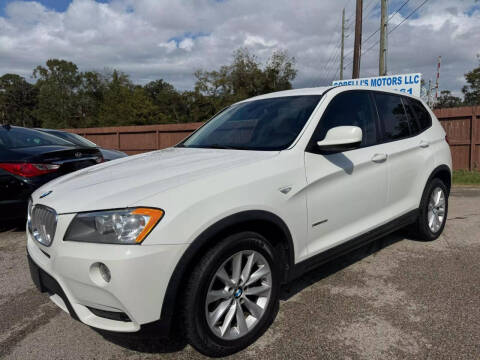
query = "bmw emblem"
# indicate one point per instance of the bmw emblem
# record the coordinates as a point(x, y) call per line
point(45, 194)
point(238, 293)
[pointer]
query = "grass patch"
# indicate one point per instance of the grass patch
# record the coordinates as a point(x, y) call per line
point(465, 177)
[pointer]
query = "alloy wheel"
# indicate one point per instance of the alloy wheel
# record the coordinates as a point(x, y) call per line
point(238, 295)
point(436, 210)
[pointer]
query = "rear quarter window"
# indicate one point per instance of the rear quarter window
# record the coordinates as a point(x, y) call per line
point(423, 116)
point(412, 117)
point(22, 138)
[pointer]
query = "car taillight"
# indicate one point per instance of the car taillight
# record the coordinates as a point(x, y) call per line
point(28, 169)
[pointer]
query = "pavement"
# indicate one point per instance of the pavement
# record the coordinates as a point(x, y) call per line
point(394, 299)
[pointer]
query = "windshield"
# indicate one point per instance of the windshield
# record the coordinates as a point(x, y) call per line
point(73, 138)
point(269, 124)
point(22, 138)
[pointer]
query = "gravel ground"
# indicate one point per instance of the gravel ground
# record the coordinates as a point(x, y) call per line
point(394, 299)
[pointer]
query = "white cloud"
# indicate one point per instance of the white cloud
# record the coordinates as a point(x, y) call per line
point(151, 39)
point(186, 44)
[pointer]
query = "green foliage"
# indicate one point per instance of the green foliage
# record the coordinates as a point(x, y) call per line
point(167, 101)
point(18, 99)
point(447, 100)
point(243, 78)
point(64, 97)
point(471, 91)
point(58, 100)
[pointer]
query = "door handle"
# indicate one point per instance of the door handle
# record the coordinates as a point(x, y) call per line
point(424, 144)
point(379, 158)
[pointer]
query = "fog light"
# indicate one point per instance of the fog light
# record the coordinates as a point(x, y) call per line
point(104, 272)
point(100, 274)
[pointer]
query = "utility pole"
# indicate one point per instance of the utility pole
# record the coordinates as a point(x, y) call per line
point(357, 50)
point(429, 93)
point(382, 62)
point(343, 44)
point(438, 77)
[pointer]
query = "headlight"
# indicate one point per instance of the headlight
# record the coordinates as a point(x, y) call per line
point(127, 226)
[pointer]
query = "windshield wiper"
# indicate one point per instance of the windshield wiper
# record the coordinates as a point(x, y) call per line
point(215, 146)
point(218, 146)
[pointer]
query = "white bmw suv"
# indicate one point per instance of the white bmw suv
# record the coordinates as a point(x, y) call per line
point(203, 234)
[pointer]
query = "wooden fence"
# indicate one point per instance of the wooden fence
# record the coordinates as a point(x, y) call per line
point(138, 139)
point(461, 124)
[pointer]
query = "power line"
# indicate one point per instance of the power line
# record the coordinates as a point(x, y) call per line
point(332, 68)
point(396, 11)
point(372, 9)
point(370, 36)
point(335, 50)
point(390, 17)
point(392, 30)
point(331, 60)
point(413, 12)
point(332, 55)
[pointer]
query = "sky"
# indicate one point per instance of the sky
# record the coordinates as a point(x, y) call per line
point(153, 39)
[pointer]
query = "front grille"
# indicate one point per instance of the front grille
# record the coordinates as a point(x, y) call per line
point(43, 224)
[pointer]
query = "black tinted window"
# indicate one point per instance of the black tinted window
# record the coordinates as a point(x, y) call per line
point(412, 119)
point(73, 138)
point(268, 124)
point(17, 137)
point(423, 116)
point(351, 108)
point(392, 115)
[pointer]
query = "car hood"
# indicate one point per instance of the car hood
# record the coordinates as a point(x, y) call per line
point(121, 183)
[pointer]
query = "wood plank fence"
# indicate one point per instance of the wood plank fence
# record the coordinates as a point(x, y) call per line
point(137, 139)
point(461, 124)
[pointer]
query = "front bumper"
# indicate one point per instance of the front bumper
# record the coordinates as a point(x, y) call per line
point(139, 279)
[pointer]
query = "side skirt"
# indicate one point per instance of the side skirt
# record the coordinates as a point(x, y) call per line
point(342, 249)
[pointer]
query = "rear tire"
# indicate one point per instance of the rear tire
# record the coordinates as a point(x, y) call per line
point(232, 295)
point(432, 212)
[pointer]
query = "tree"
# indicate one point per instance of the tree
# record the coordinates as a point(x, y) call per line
point(18, 99)
point(245, 77)
point(166, 99)
point(471, 91)
point(91, 95)
point(447, 100)
point(58, 101)
point(279, 72)
point(126, 104)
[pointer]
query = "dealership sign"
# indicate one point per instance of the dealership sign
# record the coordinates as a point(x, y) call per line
point(408, 83)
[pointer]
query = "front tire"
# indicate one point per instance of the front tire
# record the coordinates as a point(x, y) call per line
point(232, 295)
point(433, 212)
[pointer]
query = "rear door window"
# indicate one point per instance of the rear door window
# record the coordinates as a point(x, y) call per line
point(392, 116)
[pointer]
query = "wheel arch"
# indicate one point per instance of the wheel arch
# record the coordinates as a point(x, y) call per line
point(265, 223)
point(444, 173)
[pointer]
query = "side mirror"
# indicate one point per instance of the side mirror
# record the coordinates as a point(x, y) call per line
point(341, 138)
